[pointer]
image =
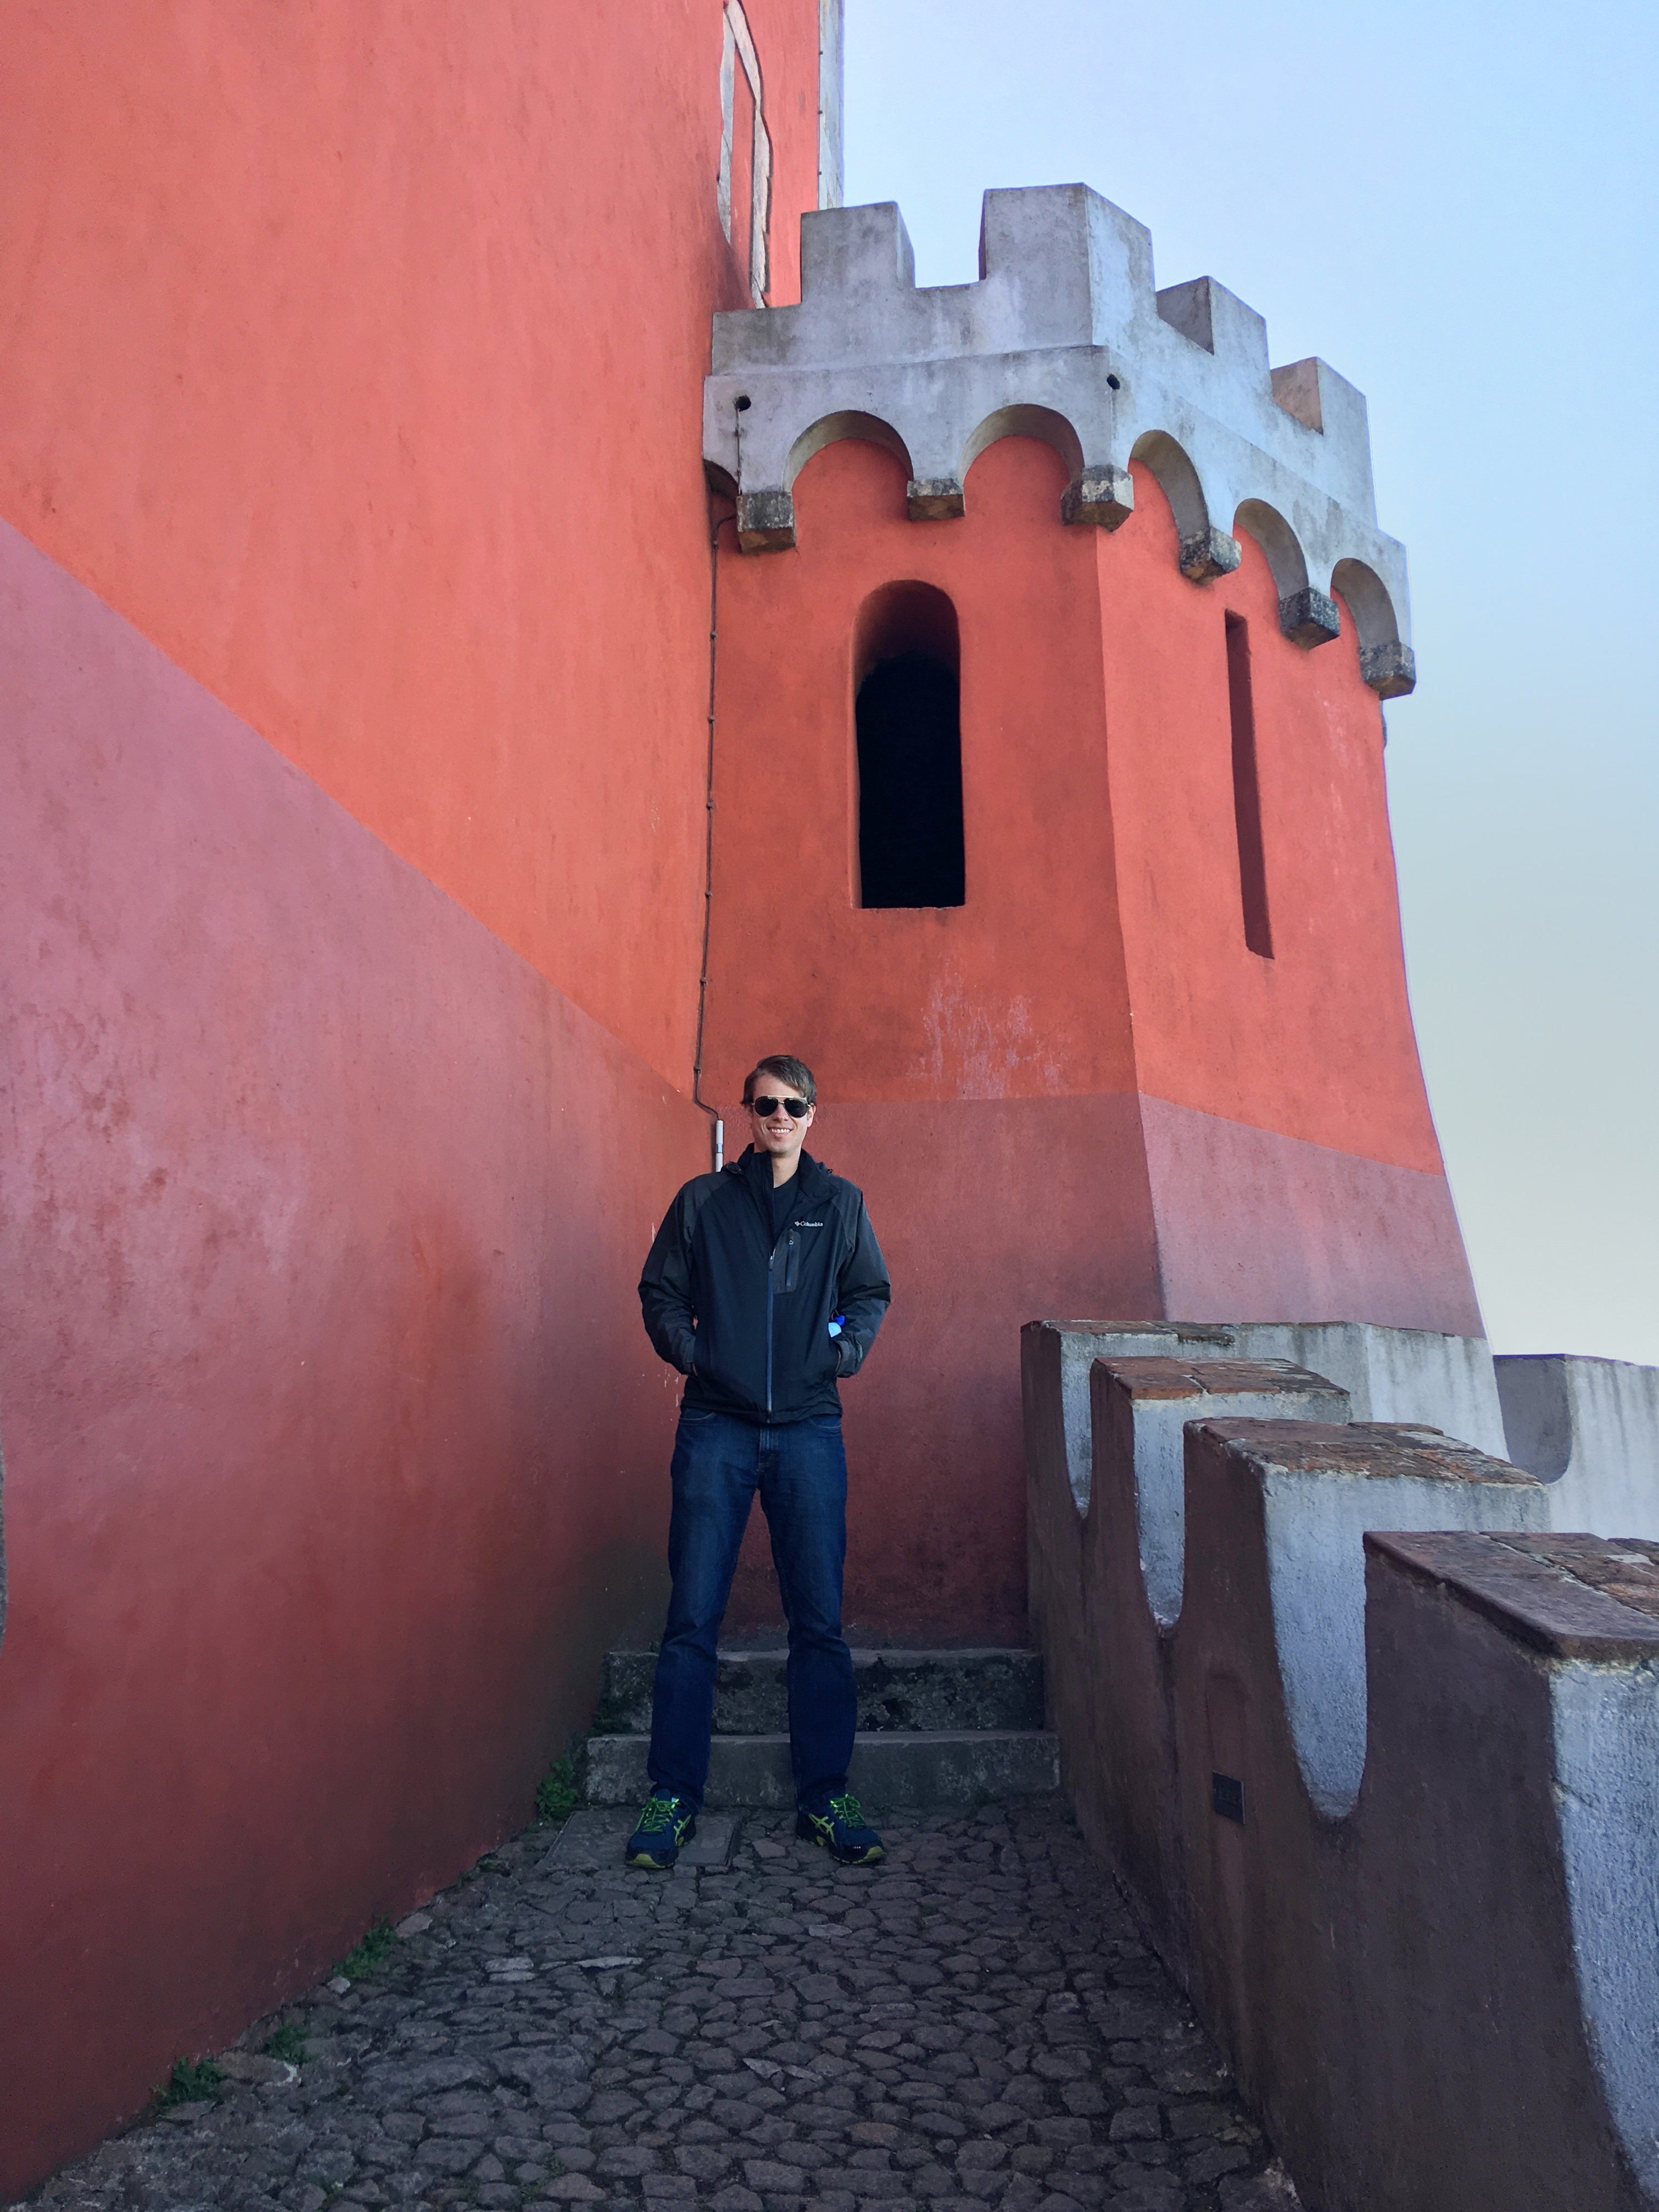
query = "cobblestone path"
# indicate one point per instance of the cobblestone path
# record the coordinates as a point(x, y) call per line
point(971, 2023)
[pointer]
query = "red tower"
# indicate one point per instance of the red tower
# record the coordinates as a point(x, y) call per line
point(1051, 829)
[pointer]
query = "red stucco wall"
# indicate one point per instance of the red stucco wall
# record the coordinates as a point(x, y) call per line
point(353, 586)
point(1021, 993)
point(1081, 1091)
point(333, 1447)
point(355, 356)
point(1315, 1042)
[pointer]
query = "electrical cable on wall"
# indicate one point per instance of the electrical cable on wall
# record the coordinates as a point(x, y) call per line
point(717, 1128)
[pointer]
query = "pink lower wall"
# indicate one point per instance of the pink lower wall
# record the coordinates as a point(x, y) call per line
point(334, 1449)
point(1252, 1225)
point(990, 1210)
point(993, 1213)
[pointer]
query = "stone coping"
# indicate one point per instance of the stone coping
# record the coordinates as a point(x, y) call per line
point(1570, 1597)
point(1159, 1377)
point(1363, 1448)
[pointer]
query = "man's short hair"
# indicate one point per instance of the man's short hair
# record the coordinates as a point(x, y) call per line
point(782, 1067)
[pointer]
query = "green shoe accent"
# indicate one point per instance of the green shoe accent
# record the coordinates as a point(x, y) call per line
point(843, 1831)
point(664, 1823)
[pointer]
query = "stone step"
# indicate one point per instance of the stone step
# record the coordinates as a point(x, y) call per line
point(911, 1692)
point(892, 1769)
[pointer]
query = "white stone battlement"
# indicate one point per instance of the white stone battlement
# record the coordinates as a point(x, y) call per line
point(1065, 336)
point(1327, 1683)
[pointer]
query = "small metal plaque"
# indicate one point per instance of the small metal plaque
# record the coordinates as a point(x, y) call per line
point(1227, 1798)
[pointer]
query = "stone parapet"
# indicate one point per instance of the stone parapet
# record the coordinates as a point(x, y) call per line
point(1588, 1429)
point(1411, 1375)
point(1106, 1579)
point(1382, 1780)
point(1065, 336)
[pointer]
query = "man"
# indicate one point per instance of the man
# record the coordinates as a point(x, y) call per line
point(764, 1287)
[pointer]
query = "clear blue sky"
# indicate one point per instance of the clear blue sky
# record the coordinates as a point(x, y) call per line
point(1455, 206)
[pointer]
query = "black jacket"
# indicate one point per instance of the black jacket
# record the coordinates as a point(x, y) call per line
point(746, 1321)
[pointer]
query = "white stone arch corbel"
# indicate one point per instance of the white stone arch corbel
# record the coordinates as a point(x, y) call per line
point(766, 518)
point(847, 423)
point(1385, 662)
point(1307, 615)
point(1204, 551)
point(737, 44)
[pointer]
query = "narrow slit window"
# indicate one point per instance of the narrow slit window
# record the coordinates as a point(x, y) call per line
point(1247, 791)
point(909, 751)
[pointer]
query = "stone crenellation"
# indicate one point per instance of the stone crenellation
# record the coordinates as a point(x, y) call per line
point(1065, 338)
point(1373, 1747)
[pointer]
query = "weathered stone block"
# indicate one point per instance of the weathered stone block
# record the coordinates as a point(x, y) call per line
point(1309, 618)
point(1389, 669)
point(1208, 553)
point(1104, 496)
point(933, 499)
point(766, 521)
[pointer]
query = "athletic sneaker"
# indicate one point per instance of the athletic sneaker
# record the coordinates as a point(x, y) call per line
point(665, 1824)
point(843, 1831)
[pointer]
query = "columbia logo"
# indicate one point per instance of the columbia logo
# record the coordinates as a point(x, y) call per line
point(809, 1224)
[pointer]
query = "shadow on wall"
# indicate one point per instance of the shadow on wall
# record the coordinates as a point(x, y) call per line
point(1383, 1800)
point(334, 1448)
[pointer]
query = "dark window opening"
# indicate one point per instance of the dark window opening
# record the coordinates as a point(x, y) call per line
point(910, 738)
point(1247, 791)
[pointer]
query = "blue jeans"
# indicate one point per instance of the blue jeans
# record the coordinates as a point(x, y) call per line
point(800, 1469)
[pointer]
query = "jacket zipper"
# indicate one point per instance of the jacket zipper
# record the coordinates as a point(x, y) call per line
point(771, 1283)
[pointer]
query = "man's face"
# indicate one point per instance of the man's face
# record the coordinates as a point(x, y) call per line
point(777, 1133)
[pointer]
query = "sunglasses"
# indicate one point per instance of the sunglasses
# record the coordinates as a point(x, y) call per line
point(796, 1109)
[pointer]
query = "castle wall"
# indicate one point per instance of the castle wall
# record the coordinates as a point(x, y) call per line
point(1273, 1043)
point(1294, 1164)
point(975, 1062)
point(353, 357)
point(1382, 1801)
point(354, 589)
point(1181, 1126)
point(333, 1447)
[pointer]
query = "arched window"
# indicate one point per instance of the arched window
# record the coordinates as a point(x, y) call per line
point(906, 661)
